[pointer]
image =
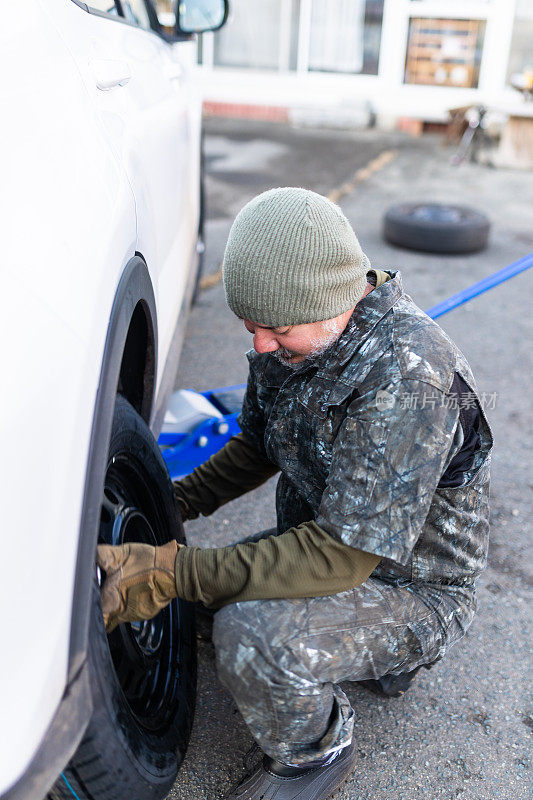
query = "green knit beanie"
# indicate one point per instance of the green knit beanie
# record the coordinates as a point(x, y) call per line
point(292, 257)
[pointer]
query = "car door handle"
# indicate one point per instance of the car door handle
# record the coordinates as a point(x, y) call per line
point(109, 73)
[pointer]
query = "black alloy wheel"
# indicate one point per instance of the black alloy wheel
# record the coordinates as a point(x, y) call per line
point(143, 675)
point(146, 655)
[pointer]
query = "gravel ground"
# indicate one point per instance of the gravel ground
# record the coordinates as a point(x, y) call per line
point(463, 730)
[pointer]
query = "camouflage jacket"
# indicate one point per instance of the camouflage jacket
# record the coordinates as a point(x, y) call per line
point(363, 436)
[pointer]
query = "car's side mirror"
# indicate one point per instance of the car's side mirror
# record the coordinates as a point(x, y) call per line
point(198, 16)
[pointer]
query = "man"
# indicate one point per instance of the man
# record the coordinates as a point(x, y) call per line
point(370, 413)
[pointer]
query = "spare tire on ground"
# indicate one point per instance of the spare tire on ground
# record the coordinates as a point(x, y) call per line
point(436, 227)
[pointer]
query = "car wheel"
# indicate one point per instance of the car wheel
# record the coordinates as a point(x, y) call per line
point(436, 228)
point(143, 675)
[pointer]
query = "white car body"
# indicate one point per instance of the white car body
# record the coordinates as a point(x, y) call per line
point(100, 151)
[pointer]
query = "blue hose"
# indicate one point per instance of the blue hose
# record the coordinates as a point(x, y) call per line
point(481, 286)
point(69, 787)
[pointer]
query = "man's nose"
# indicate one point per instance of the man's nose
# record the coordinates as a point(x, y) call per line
point(264, 342)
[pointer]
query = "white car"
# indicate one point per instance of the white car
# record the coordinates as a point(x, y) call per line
point(100, 216)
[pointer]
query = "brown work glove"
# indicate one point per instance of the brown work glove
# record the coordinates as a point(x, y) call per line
point(140, 580)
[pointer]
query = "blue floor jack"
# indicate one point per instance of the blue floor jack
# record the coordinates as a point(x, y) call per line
point(198, 424)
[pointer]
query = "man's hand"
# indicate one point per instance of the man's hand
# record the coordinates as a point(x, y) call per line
point(140, 580)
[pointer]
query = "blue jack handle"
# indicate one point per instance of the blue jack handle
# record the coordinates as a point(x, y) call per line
point(481, 286)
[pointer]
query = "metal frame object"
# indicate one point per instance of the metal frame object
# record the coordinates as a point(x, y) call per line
point(183, 452)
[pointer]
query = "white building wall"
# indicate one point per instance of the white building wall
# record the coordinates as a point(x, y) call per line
point(345, 98)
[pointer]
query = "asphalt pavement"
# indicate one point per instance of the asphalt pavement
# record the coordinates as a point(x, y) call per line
point(463, 730)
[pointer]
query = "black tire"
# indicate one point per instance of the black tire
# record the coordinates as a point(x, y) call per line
point(143, 676)
point(436, 228)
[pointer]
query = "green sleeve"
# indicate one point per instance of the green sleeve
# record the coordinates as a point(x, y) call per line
point(236, 468)
point(302, 562)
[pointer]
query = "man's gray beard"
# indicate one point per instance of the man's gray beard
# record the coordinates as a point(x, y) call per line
point(283, 355)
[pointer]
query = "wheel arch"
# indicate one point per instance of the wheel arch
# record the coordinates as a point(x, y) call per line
point(138, 366)
point(129, 366)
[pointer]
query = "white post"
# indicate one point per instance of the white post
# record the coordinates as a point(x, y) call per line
point(285, 20)
point(208, 49)
point(496, 47)
point(394, 42)
point(304, 35)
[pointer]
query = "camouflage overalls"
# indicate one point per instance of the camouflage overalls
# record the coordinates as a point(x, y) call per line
point(363, 436)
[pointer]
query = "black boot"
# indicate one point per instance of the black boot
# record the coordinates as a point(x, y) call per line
point(392, 685)
point(277, 781)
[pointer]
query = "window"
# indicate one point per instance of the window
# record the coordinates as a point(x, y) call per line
point(133, 11)
point(251, 37)
point(330, 35)
point(136, 13)
point(372, 36)
point(336, 37)
point(521, 55)
point(444, 52)
point(106, 6)
point(345, 36)
point(166, 14)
